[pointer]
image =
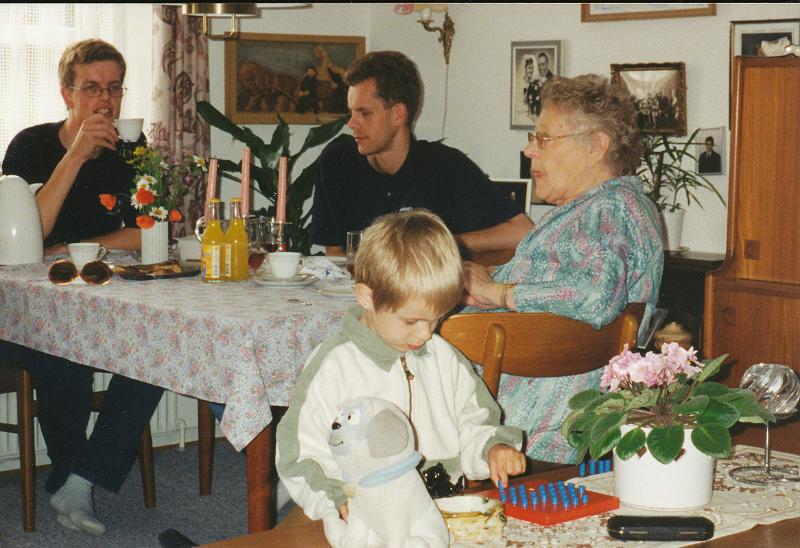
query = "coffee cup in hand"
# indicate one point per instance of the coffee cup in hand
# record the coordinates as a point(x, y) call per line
point(85, 252)
point(285, 264)
point(129, 129)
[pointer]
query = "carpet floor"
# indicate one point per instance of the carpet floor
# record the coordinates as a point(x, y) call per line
point(221, 515)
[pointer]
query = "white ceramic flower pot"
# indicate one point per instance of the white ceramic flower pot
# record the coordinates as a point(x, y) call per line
point(673, 229)
point(155, 243)
point(644, 482)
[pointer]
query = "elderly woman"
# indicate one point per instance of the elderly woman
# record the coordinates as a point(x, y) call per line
point(596, 251)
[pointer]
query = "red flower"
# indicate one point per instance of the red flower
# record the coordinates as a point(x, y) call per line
point(145, 197)
point(109, 201)
point(145, 221)
point(174, 216)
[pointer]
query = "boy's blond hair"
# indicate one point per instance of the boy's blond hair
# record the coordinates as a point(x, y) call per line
point(410, 254)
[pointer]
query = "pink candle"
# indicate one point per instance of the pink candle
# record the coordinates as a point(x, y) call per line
point(280, 202)
point(246, 182)
point(211, 183)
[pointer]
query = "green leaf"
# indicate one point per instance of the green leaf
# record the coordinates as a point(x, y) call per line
point(712, 389)
point(602, 401)
point(604, 444)
point(647, 398)
point(750, 411)
point(322, 134)
point(719, 412)
point(713, 440)
point(582, 399)
point(605, 424)
point(694, 406)
point(665, 442)
point(631, 443)
point(710, 368)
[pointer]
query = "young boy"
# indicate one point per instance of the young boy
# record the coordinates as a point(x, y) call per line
point(408, 276)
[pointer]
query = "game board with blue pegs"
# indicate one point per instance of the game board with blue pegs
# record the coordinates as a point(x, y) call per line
point(552, 503)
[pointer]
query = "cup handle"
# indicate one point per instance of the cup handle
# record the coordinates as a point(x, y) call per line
point(300, 264)
point(201, 223)
point(101, 253)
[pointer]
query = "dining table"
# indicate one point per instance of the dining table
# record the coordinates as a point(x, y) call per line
point(242, 344)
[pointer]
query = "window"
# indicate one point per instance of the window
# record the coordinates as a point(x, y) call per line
point(32, 38)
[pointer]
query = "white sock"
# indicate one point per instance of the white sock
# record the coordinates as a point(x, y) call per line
point(73, 502)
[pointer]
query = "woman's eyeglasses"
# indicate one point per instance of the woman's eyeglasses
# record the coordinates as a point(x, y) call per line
point(96, 90)
point(543, 138)
point(63, 272)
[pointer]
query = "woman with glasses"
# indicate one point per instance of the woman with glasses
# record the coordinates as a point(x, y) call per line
point(76, 158)
point(598, 250)
point(76, 161)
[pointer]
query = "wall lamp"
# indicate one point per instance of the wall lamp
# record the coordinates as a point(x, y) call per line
point(446, 31)
point(221, 10)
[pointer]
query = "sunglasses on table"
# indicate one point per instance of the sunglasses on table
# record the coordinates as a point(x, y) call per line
point(63, 272)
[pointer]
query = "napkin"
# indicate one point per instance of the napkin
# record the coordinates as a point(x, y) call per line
point(322, 267)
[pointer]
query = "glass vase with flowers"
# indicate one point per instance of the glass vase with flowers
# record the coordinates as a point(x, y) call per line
point(159, 185)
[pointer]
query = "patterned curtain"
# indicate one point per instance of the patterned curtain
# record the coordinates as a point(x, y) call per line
point(180, 79)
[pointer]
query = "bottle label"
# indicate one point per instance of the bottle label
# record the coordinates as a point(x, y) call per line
point(211, 262)
point(228, 259)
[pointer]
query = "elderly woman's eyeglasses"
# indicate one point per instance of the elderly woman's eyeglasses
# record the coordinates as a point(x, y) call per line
point(96, 90)
point(543, 138)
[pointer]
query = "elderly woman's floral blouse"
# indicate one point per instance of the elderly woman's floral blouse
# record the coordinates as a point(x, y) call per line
point(586, 259)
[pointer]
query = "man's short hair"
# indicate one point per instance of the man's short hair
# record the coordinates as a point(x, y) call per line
point(85, 52)
point(396, 77)
point(409, 255)
point(710, 139)
point(546, 57)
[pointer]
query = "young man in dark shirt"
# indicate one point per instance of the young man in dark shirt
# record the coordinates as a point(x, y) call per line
point(384, 168)
point(76, 161)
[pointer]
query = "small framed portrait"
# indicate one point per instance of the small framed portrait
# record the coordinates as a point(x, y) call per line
point(517, 190)
point(300, 77)
point(710, 150)
point(532, 64)
point(659, 92)
point(624, 12)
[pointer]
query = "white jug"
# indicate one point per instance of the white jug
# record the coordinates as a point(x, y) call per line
point(20, 225)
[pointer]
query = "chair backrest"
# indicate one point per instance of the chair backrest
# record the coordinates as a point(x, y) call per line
point(537, 344)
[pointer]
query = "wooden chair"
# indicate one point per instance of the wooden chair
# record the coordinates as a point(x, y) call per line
point(538, 344)
point(17, 380)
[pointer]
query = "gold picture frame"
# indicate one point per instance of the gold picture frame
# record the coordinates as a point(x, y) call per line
point(299, 76)
point(659, 92)
point(591, 13)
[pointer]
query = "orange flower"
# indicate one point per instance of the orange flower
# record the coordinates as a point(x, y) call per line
point(145, 197)
point(109, 201)
point(174, 216)
point(145, 221)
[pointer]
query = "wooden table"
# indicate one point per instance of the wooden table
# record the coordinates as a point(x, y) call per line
point(309, 534)
point(241, 344)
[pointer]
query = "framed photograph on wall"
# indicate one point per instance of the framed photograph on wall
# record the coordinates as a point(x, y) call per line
point(517, 190)
point(532, 64)
point(622, 12)
point(299, 76)
point(710, 151)
point(659, 92)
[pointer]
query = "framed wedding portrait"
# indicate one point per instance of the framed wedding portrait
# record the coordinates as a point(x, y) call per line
point(532, 64)
point(300, 77)
point(659, 93)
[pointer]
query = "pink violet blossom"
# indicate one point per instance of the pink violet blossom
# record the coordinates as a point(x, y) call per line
point(629, 368)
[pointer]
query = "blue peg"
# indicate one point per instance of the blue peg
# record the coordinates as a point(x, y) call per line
point(582, 469)
point(534, 499)
point(592, 467)
point(585, 498)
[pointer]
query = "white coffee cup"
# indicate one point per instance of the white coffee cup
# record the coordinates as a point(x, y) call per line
point(285, 264)
point(189, 248)
point(129, 129)
point(85, 252)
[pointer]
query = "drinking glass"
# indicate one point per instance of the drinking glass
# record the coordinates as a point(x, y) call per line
point(777, 389)
point(353, 241)
point(261, 232)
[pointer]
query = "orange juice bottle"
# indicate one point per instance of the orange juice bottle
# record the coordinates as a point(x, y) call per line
point(213, 244)
point(237, 245)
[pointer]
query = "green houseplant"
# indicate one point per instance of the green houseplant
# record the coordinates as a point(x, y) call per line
point(665, 177)
point(666, 393)
point(265, 174)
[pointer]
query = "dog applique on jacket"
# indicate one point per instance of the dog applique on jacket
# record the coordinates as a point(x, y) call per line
point(388, 504)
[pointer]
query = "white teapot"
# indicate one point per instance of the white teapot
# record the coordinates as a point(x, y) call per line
point(20, 225)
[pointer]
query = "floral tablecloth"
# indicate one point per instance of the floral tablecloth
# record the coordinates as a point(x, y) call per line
point(734, 507)
point(241, 344)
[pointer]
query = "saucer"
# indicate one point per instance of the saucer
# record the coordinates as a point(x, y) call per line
point(339, 291)
point(268, 280)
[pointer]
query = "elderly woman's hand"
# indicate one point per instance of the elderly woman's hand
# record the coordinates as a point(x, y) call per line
point(483, 291)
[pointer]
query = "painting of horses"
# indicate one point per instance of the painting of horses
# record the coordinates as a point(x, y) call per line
point(300, 77)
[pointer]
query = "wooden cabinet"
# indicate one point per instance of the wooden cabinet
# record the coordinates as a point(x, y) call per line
point(752, 303)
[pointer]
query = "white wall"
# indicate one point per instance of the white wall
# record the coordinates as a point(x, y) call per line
point(479, 72)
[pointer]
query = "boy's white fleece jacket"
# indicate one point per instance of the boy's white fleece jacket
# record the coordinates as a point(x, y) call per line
point(454, 416)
